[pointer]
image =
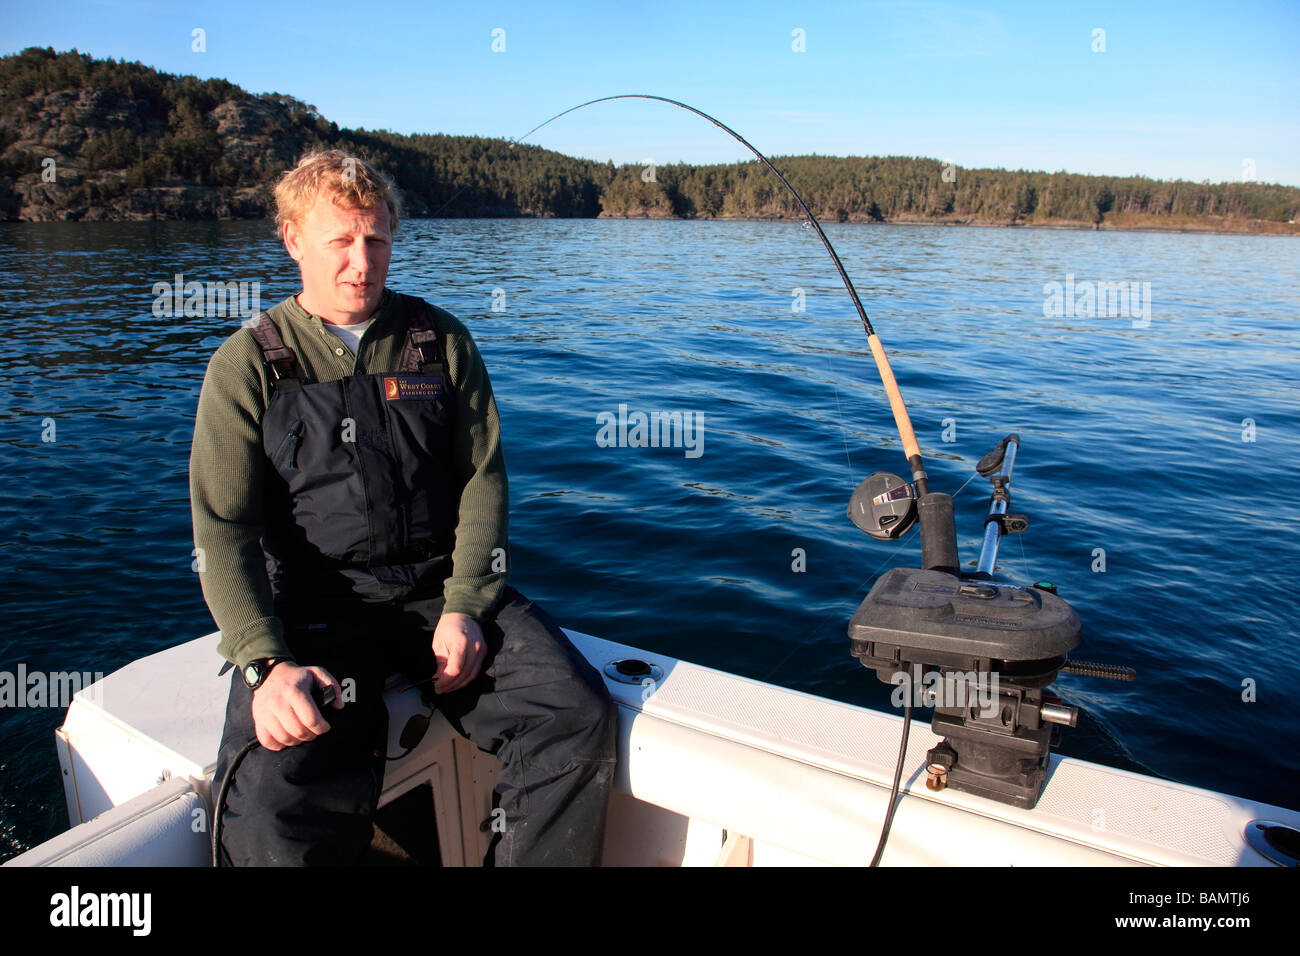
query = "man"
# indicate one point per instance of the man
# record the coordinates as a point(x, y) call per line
point(349, 498)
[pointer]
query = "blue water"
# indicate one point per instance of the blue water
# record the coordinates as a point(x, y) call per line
point(1133, 444)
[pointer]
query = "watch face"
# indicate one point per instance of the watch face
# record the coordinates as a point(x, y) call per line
point(252, 673)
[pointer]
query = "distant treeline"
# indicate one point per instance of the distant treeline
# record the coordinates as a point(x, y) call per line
point(900, 187)
point(123, 132)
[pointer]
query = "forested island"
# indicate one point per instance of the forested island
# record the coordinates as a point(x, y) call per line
point(99, 139)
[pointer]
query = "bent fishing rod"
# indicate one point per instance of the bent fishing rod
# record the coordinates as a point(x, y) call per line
point(884, 505)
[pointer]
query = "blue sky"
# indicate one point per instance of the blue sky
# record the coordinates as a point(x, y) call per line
point(1181, 90)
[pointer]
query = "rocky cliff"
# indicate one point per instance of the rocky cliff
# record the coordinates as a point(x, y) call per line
point(86, 154)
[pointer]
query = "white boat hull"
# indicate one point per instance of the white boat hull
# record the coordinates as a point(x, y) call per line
point(714, 769)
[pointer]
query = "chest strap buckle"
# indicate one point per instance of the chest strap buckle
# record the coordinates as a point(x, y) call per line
point(279, 358)
point(426, 343)
point(281, 361)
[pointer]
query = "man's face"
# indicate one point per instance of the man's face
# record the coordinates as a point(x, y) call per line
point(343, 253)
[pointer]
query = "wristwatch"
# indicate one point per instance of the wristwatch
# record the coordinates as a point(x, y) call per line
point(256, 672)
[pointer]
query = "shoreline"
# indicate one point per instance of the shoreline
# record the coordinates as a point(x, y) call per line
point(1257, 227)
point(1270, 228)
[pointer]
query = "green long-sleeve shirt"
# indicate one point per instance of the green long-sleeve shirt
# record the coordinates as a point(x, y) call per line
point(228, 466)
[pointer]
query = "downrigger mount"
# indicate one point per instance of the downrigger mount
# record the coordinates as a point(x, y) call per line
point(981, 653)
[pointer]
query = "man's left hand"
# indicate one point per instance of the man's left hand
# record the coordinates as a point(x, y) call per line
point(459, 648)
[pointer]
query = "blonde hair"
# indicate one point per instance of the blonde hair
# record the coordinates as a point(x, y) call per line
point(350, 181)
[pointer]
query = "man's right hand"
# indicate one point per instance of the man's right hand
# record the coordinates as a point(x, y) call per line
point(284, 713)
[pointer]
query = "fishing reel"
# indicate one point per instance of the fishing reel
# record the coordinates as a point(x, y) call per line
point(981, 653)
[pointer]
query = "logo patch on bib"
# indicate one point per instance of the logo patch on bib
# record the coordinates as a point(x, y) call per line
point(401, 388)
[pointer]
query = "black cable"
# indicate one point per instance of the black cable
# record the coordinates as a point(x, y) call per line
point(219, 805)
point(898, 774)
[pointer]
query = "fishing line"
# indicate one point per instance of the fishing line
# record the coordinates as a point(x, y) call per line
point(964, 484)
point(804, 642)
point(840, 413)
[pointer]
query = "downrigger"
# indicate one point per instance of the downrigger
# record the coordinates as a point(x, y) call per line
point(993, 647)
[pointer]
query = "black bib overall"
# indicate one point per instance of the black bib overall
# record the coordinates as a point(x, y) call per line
point(362, 495)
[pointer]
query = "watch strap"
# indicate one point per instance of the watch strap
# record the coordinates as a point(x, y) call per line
point(257, 670)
